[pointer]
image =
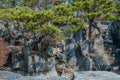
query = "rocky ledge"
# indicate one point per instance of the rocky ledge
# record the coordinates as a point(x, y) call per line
point(84, 75)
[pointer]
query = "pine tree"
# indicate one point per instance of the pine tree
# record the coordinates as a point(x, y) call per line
point(93, 9)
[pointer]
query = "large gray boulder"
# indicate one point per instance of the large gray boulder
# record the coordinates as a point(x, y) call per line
point(58, 78)
point(33, 78)
point(96, 75)
point(5, 75)
point(43, 78)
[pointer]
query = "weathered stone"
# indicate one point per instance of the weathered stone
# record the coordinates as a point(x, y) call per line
point(107, 68)
point(60, 67)
point(61, 57)
point(88, 64)
point(50, 51)
point(70, 49)
point(18, 60)
point(33, 78)
point(98, 43)
point(62, 46)
point(95, 75)
point(58, 78)
point(72, 63)
point(68, 75)
point(98, 61)
point(9, 75)
point(78, 36)
point(27, 51)
point(85, 47)
point(51, 73)
point(39, 61)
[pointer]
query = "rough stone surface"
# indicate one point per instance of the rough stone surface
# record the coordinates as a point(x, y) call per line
point(33, 78)
point(58, 78)
point(5, 75)
point(84, 75)
point(96, 75)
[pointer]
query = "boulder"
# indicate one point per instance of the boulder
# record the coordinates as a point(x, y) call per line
point(18, 60)
point(42, 77)
point(39, 61)
point(96, 75)
point(88, 64)
point(61, 57)
point(5, 75)
point(33, 78)
point(98, 43)
point(27, 51)
point(50, 51)
point(58, 78)
point(70, 49)
point(85, 47)
point(78, 36)
point(98, 61)
point(51, 73)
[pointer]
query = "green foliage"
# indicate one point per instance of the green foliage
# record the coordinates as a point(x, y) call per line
point(75, 27)
point(47, 21)
point(117, 10)
point(110, 17)
point(94, 8)
point(63, 10)
point(60, 20)
point(48, 29)
point(77, 6)
point(61, 37)
point(92, 15)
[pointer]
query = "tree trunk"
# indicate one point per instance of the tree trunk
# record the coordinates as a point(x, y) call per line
point(90, 32)
point(90, 28)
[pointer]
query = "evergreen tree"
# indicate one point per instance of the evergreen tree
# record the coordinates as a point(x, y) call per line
point(93, 9)
point(50, 22)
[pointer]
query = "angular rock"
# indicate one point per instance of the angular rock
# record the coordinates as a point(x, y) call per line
point(18, 61)
point(51, 73)
point(27, 50)
point(98, 43)
point(78, 36)
point(88, 64)
point(70, 49)
point(39, 61)
point(98, 61)
point(85, 47)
